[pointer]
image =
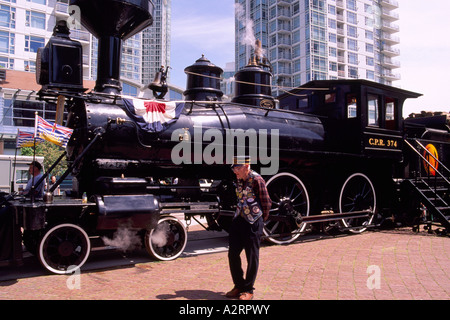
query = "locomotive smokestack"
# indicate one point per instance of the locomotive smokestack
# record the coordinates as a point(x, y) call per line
point(258, 50)
point(111, 22)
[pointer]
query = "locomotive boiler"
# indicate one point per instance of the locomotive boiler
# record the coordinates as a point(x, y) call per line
point(333, 153)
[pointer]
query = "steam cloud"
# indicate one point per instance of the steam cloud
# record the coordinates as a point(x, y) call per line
point(160, 235)
point(249, 37)
point(124, 239)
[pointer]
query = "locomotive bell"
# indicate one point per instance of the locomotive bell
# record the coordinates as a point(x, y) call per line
point(203, 81)
point(159, 85)
point(59, 63)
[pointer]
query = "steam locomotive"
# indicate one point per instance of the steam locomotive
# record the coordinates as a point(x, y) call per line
point(334, 153)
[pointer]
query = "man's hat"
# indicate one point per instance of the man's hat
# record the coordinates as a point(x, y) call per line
point(240, 161)
point(36, 164)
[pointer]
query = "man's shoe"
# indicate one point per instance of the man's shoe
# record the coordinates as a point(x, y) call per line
point(246, 296)
point(234, 293)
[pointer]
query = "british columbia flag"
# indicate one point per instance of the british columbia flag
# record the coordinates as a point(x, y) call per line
point(53, 132)
point(26, 139)
point(152, 115)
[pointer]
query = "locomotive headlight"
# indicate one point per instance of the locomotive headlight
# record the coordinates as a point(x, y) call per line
point(42, 66)
point(59, 64)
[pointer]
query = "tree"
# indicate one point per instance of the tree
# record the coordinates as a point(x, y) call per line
point(51, 153)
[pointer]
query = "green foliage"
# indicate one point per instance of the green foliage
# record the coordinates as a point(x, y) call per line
point(51, 153)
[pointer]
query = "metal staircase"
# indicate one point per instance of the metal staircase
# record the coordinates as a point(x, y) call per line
point(433, 189)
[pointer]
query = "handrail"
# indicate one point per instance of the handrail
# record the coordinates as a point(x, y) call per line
point(428, 151)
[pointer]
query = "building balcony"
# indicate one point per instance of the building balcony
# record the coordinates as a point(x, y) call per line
point(390, 4)
point(61, 9)
point(286, 3)
point(389, 15)
point(389, 27)
point(390, 76)
point(80, 35)
point(389, 38)
point(390, 51)
point(283, 14)
point(389, 63)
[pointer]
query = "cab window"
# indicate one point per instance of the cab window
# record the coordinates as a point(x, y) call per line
point(351, 106)
point(390, 116)
point(373, 110)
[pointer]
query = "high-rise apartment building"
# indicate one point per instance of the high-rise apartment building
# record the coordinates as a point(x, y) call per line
point(156, 41)
point(26, 25)
point(321, 39)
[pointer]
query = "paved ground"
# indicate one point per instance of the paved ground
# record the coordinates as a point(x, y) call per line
point(376, 265)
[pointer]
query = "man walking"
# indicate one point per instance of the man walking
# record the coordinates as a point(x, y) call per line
point(246, 229)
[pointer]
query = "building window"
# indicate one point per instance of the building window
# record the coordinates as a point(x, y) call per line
point(352, 17)
point(352, 31)
point(6, 63)
point(32, 44)
point(7, 41)
point(297, 65)
point(35, 19)
point(22, 112)
point(332, 24)
point(129, 90)
point(44, 2)
point(352, 44)
point(332, 52)
point(333, 66)
point(331, 9)
point(30, 66)
point(370, 75)
point(353, 72)
point(7, 16)
point(351, 5)
point(332, 37)
point(353, 58)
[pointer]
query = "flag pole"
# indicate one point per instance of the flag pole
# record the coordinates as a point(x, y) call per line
point(14, 164)
point(33, 187)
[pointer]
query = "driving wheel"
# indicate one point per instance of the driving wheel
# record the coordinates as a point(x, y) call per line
point(290, 201)
point(357, 194)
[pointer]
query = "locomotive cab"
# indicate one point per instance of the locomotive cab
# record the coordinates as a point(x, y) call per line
point(359, 116)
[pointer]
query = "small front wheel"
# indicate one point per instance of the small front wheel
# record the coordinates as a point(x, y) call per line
point(168, 240)
point(64, 248)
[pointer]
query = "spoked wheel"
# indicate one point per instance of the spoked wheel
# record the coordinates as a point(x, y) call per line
point(64, 248)
point(290, 201)
point(168, 240)
point(357, 194)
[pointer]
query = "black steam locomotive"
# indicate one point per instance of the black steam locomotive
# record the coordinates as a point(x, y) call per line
point(334, 153)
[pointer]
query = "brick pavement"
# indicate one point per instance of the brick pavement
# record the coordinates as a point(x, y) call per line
point(375, 265)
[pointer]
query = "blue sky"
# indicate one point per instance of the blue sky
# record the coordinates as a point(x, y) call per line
point(207, 27)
